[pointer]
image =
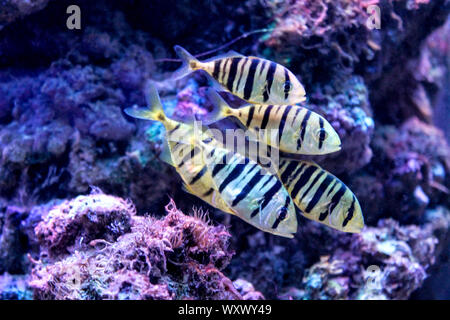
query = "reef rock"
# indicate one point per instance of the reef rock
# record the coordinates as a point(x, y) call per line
point(177, 257)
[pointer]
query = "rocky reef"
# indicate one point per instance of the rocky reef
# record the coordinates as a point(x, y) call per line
point(84, 210)
point(96, 247)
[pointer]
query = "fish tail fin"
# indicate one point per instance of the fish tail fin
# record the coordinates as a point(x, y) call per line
point(190, 63)
point(154, 109)
point(221, 107)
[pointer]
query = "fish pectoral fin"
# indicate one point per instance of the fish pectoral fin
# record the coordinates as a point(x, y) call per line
point(165, 154)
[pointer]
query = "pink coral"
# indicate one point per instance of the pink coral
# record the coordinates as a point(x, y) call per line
point(176, 257)
point(72, 224)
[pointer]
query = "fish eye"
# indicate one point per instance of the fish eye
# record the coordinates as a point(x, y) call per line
point(322, 134)
point(287, 86)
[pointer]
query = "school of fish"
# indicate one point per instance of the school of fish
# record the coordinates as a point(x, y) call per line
point(240, 184)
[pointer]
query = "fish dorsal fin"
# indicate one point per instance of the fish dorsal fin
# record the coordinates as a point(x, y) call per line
point(229, 54)
point(165, 154)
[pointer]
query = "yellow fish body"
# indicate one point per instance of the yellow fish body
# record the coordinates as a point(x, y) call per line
point(252, 79)
point(256, 196)
point(321, 196)
point(290, 128)
point(185, 157)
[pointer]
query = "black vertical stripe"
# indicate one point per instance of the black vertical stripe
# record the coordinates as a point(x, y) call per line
point(248, 88)
point(189, 156)
point(297, 110)
point(207, 193)
point(303, 129)
point(221, 68)
point(263, 66)
point(321, 134)
point(266, 117)
point(304, 178)
point(283, 122)
point(198, 175)
point(332, 187)
point(318, 194)
point(268, 195)
point(269, 80)
point(287, 82)
point(338, 195)
point(247, 189)
point(334, 201)
point(241, 72)
point(287, 172)
point(220, 166)
point(232, 74)
point(234, 174)
point(350, 213)
point(244, 176)
point(251, 111)
point(224, 70)
point(295, 174)
point(269, 178)
point(312, 185)
point(174, 129)
point(216, 69)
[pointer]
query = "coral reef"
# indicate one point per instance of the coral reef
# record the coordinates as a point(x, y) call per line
point(396, 259)
point(101, 250)
point(63, 133)
point(71, 225)
point(13, 9)
point(15, 287)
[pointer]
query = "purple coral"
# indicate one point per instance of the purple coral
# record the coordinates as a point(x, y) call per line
point(71, 225)
point(178, 257)
point(62, 130)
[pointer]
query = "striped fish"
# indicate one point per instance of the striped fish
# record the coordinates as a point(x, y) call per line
point(291, 129)
point(255, 195)
point(321, 196)
point(181, 152)
point(253, 79)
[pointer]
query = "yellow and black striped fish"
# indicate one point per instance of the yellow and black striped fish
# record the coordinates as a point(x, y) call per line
point(256, 196)
point(181, 153)
point(290, 128)
point(253, 79)
point(321, 196)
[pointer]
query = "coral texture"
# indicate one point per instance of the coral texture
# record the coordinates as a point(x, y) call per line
point(63, 133)
point(115, 254)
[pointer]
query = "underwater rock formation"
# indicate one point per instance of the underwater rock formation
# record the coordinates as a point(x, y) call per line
point(95, 255)
point(397, 257)
point(15, 287)
point(15, 9)
point(62, 131)
point(71, 225)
